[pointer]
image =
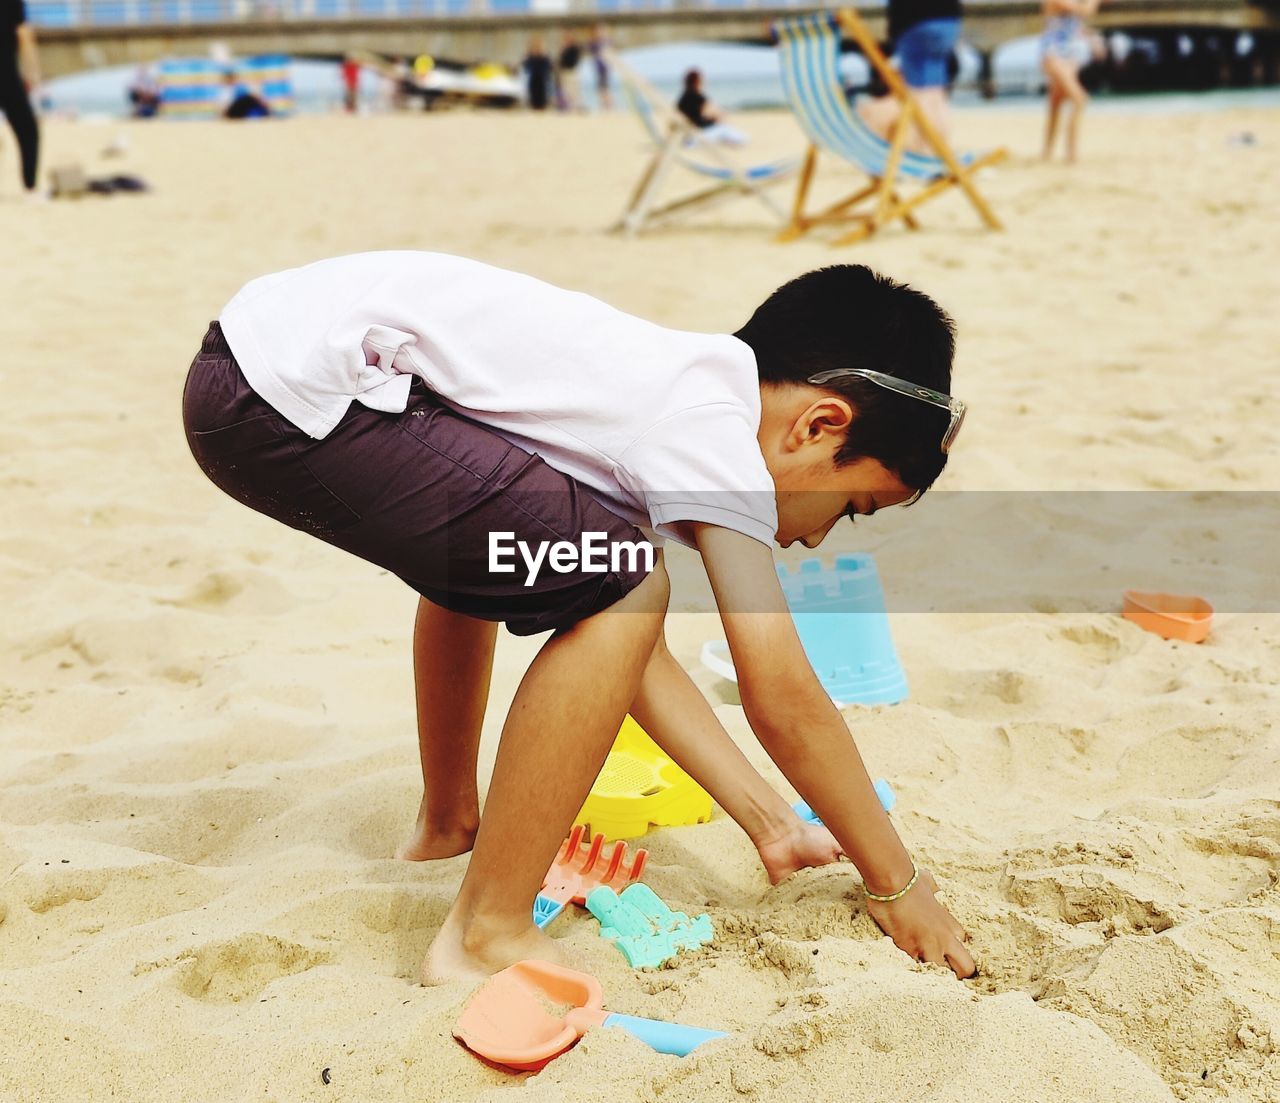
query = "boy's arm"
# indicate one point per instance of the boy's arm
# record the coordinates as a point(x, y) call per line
point(803, 733)
point(681, 721)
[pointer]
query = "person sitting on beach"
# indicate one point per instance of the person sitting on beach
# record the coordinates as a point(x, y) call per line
point(144, 94)
point(700, 111)
point(450, 423)
point(1061, 46)
point(238, 101)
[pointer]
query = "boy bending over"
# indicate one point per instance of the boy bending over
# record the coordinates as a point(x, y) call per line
point(426, 412)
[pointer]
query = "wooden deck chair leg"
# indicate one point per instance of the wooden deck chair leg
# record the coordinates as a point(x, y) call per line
point(900, 208)
point(705, 195)
point(635, 217)
point(906, 206)
point(798, 224)
point(960, 172)
point(888, 203)
point(625, 222)
point(860, 234)
point(912, 222)
point(901, 128)
point(830, 213)
point(761, 192)
point(835, 212)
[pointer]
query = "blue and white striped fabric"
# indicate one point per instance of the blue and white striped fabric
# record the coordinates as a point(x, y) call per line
point(717, 172)
point(809, 53)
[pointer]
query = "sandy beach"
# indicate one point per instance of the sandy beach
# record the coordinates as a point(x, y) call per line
point(207, 748)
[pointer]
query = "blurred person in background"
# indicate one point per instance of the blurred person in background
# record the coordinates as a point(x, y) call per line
point(350, 84)
point(537, 70)
point(923, 35)
point(700, 111)
point(19, 74)
point(239, 101)
point(568, 86)
point(1063, 47)
point(599, 50)
point(144, 94)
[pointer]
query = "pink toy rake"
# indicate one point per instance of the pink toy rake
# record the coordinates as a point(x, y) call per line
point(579, 869)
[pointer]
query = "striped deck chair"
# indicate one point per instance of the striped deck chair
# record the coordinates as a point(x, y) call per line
point(809, 53)
point(678, 142)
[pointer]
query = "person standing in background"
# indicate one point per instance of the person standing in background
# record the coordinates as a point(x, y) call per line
point(350, 84)
point(19, 74)
point(537, 68)
point(925, 33)
point(1061, 46)
point(569, 88)
point(599, 49)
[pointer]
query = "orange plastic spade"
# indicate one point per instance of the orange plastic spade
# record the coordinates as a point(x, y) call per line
point(576, 870)
point(533, 1011)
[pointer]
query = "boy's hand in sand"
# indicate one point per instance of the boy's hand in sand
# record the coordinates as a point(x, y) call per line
point(920, 926)
point(807, 738)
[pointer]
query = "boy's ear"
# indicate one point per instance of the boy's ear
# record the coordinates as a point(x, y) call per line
point(825, 421)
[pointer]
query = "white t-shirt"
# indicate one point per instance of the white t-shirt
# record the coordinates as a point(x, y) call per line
point(660, 423)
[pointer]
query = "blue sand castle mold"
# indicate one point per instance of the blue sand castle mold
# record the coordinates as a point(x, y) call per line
point(883, 790)
point(841, 620)
point(645, 930)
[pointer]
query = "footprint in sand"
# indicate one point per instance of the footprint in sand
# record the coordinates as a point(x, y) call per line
point(237, 969)
point(55, 911)
point(1101, 645)
point(241, 590)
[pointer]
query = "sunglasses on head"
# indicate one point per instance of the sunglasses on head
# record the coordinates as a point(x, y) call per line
point(947, 402)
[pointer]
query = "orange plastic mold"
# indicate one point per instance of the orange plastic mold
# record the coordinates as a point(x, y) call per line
point(1172, 616)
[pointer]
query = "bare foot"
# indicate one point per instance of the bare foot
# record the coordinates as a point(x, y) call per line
point(426, 843)
point(804, 845)
point(460, 951)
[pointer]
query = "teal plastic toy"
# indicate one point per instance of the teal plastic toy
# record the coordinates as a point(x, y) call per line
point(645, 930)
point(841, 620)
point(887, 800)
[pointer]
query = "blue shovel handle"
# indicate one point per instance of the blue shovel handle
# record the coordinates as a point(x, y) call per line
point(545, 910)
point(883, 790)
point(664, 1037)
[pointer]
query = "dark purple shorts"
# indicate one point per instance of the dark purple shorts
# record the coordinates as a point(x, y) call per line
point(417, 493)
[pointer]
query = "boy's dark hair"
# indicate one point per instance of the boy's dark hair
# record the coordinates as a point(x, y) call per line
point(848, 316)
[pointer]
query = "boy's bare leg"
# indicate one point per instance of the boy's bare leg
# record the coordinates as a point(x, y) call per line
point(566, 712)
point(452, 663)
point(674, 712)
